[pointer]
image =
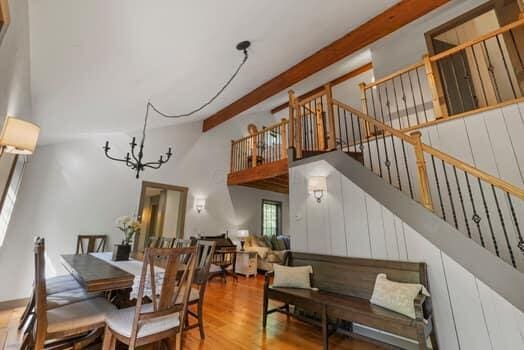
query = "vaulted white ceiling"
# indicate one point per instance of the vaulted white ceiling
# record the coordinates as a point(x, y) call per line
point(95, 63)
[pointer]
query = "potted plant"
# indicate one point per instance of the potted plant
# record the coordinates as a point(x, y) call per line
point(129, 227)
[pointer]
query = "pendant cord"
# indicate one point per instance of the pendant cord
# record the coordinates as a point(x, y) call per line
point(196, 110)
point(208, 102)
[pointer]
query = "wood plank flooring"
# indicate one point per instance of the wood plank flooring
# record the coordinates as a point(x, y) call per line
point(233, 320)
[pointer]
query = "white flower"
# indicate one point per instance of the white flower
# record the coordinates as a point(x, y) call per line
point(123, 220)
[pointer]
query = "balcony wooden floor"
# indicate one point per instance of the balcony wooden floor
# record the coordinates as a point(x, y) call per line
point(271, 177)
point(233, 320)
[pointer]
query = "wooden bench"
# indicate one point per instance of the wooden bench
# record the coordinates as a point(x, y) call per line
point(345, 286)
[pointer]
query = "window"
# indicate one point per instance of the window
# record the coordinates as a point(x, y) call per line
point(12, 185)
point(271, 218)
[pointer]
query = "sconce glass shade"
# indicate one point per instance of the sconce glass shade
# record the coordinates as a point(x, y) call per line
point(317, 185)
point(200, 204)
point(19, 136)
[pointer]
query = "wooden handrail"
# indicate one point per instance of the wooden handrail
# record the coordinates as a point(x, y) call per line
point(484, 37)
point(395, 74)
point(267, 129)
point(503, 185)
point(376, 123)
point(312, 97)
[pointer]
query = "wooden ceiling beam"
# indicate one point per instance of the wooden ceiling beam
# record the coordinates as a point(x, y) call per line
point(376, 28)
point(334, 82)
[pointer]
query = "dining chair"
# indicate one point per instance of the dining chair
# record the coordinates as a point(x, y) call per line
point(166, 242)
point(223, 259)
point(63, 326)
point(205, 252)
point(153, 242)
point(60, 285)
point(164, 317)
point(86, 244)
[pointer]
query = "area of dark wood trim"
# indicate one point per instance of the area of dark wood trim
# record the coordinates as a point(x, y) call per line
point(334, 82)
point(378, 27)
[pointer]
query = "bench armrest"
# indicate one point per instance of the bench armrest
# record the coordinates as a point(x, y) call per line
point(267, 278)
point(419, 307)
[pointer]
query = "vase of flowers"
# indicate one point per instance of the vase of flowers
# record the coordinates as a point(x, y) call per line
point(129, 227)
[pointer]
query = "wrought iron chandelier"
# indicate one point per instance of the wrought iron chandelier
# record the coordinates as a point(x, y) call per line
point(134, 158)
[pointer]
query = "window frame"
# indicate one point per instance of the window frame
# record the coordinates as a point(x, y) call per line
point(278, 205)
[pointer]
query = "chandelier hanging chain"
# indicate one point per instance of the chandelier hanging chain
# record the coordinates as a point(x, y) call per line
point(134, 161)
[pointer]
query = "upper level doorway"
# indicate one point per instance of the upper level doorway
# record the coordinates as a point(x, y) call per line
point(490, 71)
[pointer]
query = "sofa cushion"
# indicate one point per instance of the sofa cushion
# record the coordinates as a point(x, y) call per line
point(277, 243)
point(261, 251)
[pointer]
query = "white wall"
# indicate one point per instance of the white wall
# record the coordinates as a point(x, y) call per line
point(15, 89)
point(71, 187)
point(348, 222)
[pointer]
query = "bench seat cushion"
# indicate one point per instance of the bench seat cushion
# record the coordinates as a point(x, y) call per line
point(347, 304)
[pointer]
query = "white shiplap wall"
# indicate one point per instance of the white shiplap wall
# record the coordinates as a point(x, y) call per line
point(348, 222)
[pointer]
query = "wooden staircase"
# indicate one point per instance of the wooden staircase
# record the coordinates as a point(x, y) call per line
point(485, 208)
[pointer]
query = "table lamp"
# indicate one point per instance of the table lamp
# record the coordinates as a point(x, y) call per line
point(242, 234)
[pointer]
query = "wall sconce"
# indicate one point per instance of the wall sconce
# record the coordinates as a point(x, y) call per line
point(317, 185)
point(18, 136)
point(200, 204)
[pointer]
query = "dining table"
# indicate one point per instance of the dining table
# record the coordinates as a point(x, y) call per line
point(97, 272)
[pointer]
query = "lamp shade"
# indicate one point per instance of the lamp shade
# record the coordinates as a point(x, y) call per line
point(242, 233)
point(19, 136)
point(317, 183)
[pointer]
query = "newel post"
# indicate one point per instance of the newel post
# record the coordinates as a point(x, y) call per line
point(254, 150)
point(331, 117)
point(232, 165)
point(425, 194)
point(320, 128)
point(434, 85)
point(291, 104)
point(364, 106)
point(283, 138)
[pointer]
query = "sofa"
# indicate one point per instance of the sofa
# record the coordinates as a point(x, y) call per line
point(270, 250)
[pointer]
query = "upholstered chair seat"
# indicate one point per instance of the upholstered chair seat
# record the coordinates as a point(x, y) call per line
point(121, 322)
point(69, 297)
point(78, 317)
point(60, 284)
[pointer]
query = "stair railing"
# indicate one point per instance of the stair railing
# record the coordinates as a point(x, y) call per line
point(266, 146)
point(483, 207)
point(480, 74)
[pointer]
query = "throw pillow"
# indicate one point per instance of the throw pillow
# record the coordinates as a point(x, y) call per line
point(259, 241)
point(396, 296)
point(278, 244)
point(292, 277)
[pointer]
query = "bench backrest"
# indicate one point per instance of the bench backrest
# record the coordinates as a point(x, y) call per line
point(356, 276)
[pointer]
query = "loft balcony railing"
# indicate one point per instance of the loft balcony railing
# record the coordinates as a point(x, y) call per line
point(483, 73)
point(266, 146)
point(485, 208)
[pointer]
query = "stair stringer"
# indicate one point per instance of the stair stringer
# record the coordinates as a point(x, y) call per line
point(481, 263)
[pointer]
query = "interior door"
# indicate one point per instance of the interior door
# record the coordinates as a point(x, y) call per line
point(456, 80)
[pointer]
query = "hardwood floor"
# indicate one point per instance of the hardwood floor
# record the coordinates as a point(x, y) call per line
point(232, 320)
